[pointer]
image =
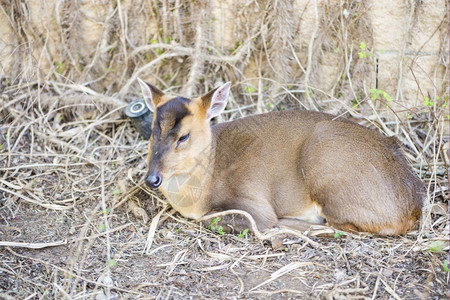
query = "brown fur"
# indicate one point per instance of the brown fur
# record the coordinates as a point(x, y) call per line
point(290, 168)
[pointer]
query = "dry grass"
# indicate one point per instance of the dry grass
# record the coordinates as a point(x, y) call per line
point(76, 221)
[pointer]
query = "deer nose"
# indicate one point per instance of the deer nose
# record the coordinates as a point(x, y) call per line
point(153, 181)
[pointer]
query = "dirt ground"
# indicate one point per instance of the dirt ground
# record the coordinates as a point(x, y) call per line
point(186, 261)
point(76, 222)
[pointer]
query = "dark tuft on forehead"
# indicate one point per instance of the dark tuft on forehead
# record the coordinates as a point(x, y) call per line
point(175, 108)
point(169, 115)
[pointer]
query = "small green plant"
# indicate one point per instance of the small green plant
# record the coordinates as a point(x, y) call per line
point(427, 102)
point(376, 93)
point(59, 66)
point(214, 222)
point(106, 211)
point(243, 233)
point(111, 49)
point(444, 101)
point(338, 234)
point(111, 263)
point(436, 246)
point(159, 51)
point(445, 266)
point(220, 230)
point(250, 90)
point(363, 52)
point(116, 192)
point(101, 228)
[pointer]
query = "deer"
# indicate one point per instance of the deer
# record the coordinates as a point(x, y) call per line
point(290, 168)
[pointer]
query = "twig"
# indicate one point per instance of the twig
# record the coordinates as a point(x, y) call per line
point(151, 231)
point(32, 245)
point(282, 271)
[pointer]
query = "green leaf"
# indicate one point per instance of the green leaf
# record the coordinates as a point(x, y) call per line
point(362, 46)
point(445, 266)
point(436, 246)
point(111, 49)
point(243, 233)
point(427, 101)
point(220, 230)
point(59, 66)
point(249, 89)
point(214, 221)
point(116, 192)
point(101, 228)
point(374, 93)
point(111, 263)
point(338, 234)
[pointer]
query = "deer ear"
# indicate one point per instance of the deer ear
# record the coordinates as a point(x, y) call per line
point(152, 95)
point(215, 100)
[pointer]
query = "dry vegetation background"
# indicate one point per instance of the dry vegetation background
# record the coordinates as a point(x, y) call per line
point(76, 221)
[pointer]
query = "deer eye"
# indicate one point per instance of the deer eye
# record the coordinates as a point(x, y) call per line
point(183, 139)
